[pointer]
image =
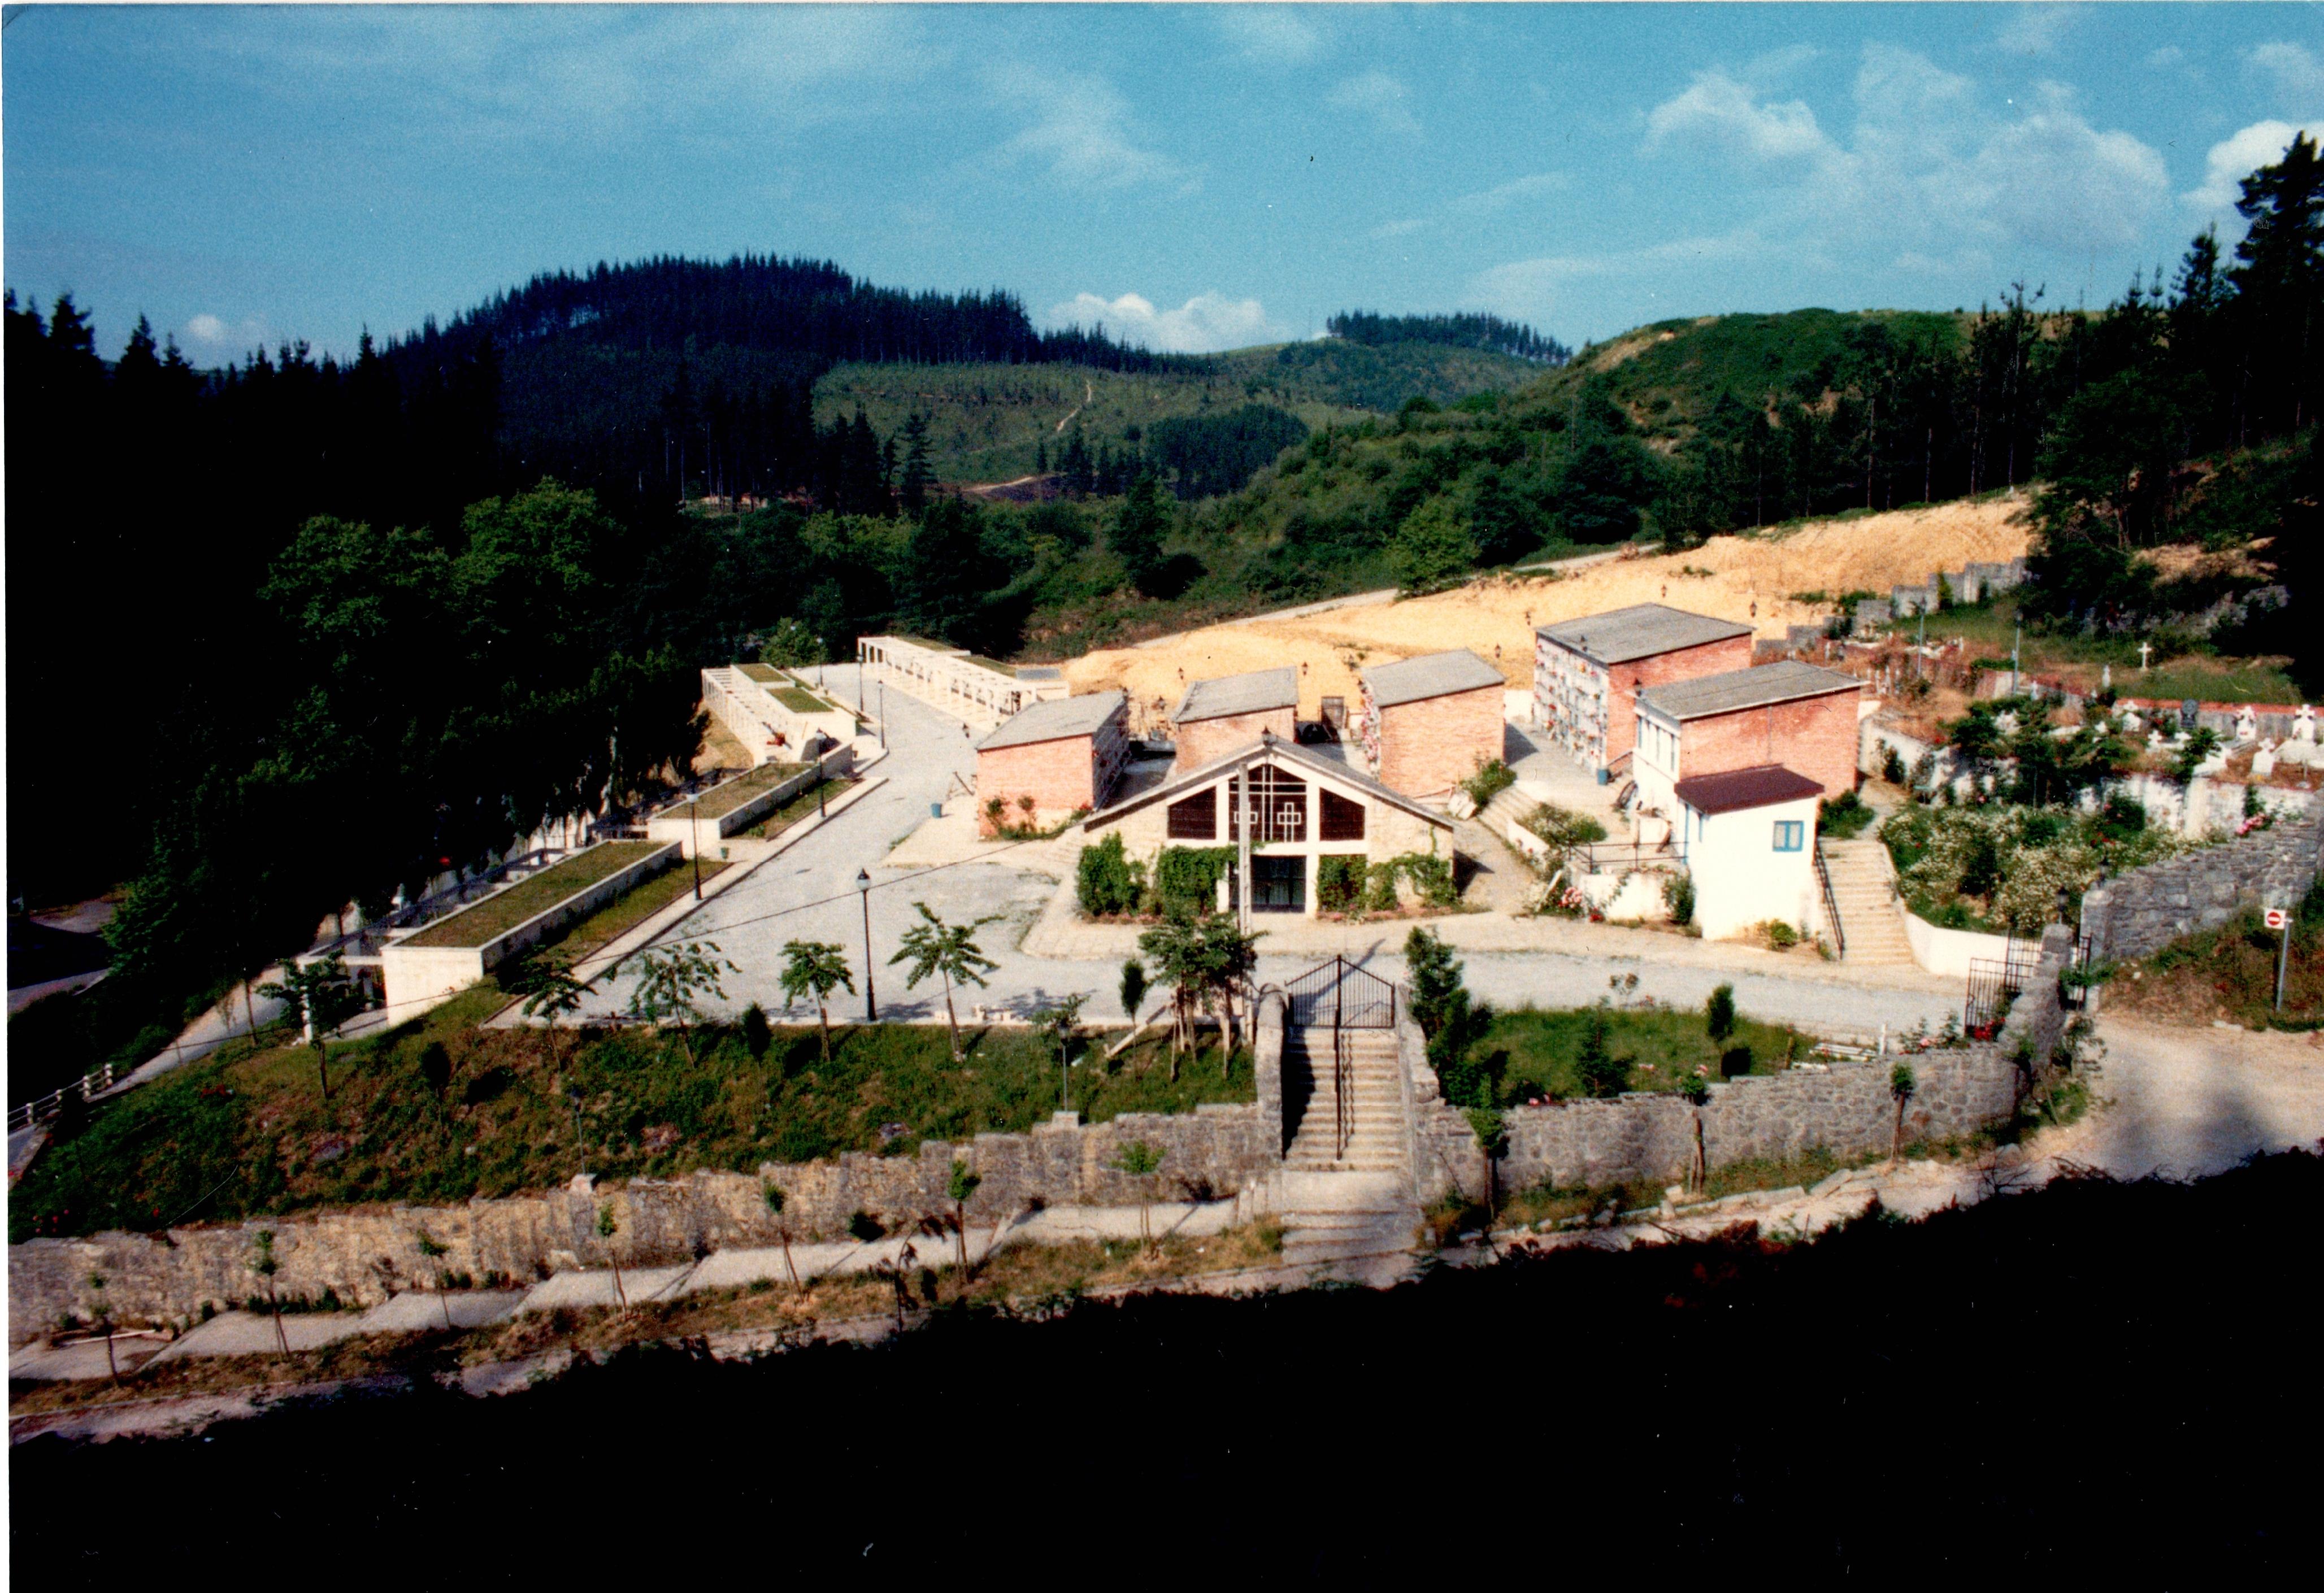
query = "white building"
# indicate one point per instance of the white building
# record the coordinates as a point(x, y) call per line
point(1749, 836)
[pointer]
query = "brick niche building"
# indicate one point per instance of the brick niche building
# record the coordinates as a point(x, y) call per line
point(1216, 717)
point(1428, 724)
point(1587, 673)
point(1798, 715)
point(1065, 754)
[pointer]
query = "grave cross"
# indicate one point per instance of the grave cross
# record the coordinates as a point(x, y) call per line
point(2143, 648)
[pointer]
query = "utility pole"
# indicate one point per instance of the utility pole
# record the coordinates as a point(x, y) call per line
point(2283, 954)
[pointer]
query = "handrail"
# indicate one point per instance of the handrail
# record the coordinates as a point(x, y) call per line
point(1344, 1079)
point(1831, 902)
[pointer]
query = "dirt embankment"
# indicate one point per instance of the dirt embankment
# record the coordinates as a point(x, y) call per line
point(1747, 580)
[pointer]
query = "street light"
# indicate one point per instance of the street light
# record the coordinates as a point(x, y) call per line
point(871, 1001)
point(883, 715)
point(694, 823)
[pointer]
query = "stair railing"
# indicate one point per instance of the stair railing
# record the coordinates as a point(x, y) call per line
point(1343, 1078)
point(1831, 902)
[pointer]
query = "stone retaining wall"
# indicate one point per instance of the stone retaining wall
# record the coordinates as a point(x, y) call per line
point(2147, 908)
point(366, 1254)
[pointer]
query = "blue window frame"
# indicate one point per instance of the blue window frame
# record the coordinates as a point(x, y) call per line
point(1791, 834)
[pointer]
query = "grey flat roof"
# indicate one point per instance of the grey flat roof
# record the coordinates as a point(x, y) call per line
point(1055, 719)
point(1746, 688)
point(1740, 789)
point(1039, 672)
point(1639, 631)
point(1254, 693)
point(1436, 675)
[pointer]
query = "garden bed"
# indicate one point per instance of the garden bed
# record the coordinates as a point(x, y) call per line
point(1996, 870)
point(485, 921)
point(721, 800)
point(798, 807)
point(1542, 1050)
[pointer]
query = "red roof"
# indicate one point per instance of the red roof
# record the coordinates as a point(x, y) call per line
point(1738, 789)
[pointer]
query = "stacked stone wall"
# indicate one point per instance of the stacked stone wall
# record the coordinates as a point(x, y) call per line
point(364, 1254)
point(2147, 908)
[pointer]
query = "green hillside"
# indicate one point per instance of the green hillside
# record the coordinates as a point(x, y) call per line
point(995, 422)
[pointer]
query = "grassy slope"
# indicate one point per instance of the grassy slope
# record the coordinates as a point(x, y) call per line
point(987, 420)
point(248, 1133)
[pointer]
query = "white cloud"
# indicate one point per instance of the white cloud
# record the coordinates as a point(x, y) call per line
point(1533, 288)
point(1924, 170)
point(2298, 76)
point(2168, 55)
point(1502, 196)
point(2235, 157)
point(1204, 324)
point(1381, 97)
point(2036, 30)
point(1398, 229)
point(1272, 35)
point(1080, 130)
point(1720, 112)
point(209, 339)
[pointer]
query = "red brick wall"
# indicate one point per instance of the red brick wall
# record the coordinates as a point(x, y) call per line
point(1814, 736)
point(1202, 739)
point(1428, 747)
point(1623, 681)
point(1056, 774)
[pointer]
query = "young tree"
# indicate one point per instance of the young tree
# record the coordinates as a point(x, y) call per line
point(1602, 1073)
point(101, 1312)
point(321, 995)
point(912, 485)
point(1133, 987)
point(757, 1034)
point(1141, 1160)
point(1719, 1013)
point(1063, 1021)
point(792, 644)
point(1902, 1084)
point(960, 1191)
point(1176, 944)
point(1228, 958)
point(774, 1193)
point(815, 967)
point(947, 951)
point(266, 1264)
point(671, 981)
point(1433, 974)
point(435, 1249)
point(550, 991)
point(608, 1227)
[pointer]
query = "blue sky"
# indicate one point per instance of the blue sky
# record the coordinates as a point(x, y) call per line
point(1197, 176)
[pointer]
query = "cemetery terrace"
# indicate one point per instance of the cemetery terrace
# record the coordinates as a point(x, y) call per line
point(721, 800)
point(496, 915)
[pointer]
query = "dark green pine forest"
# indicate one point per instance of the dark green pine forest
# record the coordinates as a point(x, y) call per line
point(303, 630)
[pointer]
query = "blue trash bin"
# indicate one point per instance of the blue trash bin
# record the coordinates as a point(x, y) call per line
point(935, 810)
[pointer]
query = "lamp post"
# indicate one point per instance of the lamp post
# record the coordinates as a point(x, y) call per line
point(694, 823)
point(883, 715)
point(871, 1001)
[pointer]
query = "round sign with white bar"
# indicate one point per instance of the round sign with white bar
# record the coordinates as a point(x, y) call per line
point(2277, 917)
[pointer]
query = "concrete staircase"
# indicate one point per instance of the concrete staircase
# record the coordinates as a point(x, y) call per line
point(1863, 891)
point(1346, 1207)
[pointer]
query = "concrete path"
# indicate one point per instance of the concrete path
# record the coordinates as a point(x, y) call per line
point(2187, 1103)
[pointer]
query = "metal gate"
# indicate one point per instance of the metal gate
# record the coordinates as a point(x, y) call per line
point(1994, 982)
point(1343, 995)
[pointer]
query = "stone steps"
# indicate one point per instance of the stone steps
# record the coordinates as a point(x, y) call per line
point(1863, 896)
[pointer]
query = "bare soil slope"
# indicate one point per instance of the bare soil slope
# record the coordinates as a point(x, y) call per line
point(1749, 579)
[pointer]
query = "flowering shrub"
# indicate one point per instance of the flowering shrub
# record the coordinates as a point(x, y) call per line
point(2012, 862)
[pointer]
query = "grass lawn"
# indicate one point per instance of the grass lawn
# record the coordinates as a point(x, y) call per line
point(765, 674)
point(1990, 627)
point(720, 800)
point(800, 700)
point(632, 909)
point(799, 806)
point(1661, 1045)
point(496, 915)
point(245, 1134)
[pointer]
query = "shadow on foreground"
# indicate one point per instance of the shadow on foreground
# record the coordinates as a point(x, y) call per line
point(2092, 1376)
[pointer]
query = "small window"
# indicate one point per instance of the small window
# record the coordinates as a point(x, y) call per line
point(1196, 818)
point(1791, 834)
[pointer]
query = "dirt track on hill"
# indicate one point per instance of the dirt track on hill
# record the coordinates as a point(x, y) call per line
point(1748, 579)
